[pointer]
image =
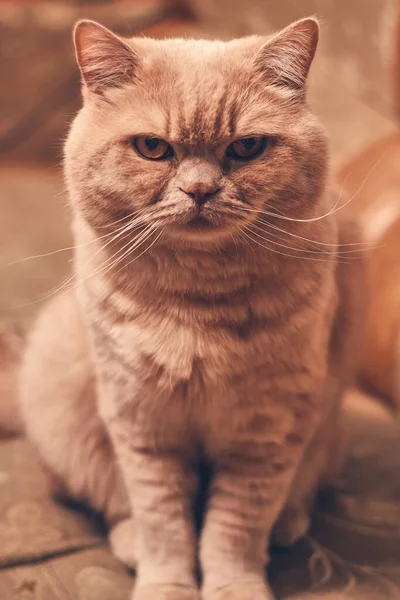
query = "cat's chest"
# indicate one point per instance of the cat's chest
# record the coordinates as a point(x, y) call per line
point(178, 352)
point(174, 348)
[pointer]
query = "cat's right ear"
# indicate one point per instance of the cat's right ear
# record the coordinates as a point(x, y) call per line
point(104, 59)
point(286, 58)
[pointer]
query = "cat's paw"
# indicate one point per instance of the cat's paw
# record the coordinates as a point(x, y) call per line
point(165, 592)
point(241, 591)
point(291, 526)
point(122, 541)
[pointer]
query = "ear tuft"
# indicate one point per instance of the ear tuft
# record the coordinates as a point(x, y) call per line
point(104, 59)
point(286, 58)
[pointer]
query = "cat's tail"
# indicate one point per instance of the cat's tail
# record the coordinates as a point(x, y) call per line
point(12, 339)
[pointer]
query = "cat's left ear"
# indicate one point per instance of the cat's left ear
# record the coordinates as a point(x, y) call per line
point(105, 60)
point(286, 58)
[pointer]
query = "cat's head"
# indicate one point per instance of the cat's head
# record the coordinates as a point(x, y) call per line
point(195, 138)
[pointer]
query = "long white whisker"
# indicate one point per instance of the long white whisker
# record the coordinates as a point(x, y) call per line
point(282, 253)
point(268, 239)
point(332, 211)
point(71, 278)
point(146, 249)
point(317, 242)
point(121, 220)
point(114, 259)
point(127, 228)
point(239, 232)
point(69, 248)
point(332, 252)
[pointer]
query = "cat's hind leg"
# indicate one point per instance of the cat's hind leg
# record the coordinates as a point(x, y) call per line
point(57, 398)
point(320, 465)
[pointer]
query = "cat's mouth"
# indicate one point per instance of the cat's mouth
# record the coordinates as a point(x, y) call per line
point(199, 226)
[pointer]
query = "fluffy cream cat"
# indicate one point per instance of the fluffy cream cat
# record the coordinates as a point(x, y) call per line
point(216, 310)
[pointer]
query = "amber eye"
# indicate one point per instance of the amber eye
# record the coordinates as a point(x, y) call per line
point(246, 148)
point(152, 148)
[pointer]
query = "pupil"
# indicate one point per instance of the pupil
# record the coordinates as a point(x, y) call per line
point(152, 143)
point(248, 143)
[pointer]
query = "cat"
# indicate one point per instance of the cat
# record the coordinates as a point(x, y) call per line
point(215, 314)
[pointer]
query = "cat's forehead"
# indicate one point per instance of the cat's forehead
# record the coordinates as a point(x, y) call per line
point(201, 87)
point(197, 53)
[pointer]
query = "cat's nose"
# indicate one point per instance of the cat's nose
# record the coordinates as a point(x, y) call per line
point(200, 192)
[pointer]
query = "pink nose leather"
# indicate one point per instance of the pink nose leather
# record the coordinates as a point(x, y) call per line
point(200, 192)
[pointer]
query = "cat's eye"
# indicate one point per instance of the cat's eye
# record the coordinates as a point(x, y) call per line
point(246, 148)
point(152, 148)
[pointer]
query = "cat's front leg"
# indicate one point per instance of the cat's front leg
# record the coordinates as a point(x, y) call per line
point(160, 483)
point(252, 479)
point(234, 543)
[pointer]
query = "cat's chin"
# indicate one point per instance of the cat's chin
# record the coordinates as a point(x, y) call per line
point(199, 230)
point(199, 224)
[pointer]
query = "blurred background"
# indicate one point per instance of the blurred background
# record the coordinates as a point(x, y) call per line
point(355, 89)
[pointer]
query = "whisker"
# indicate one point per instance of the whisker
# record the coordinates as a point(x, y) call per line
point(267, 239)
point(332, 252)
point(121, 220)
point(284, 253)
point(69, 248)
point(252, 226)
point(319, 243)
point(115, 259)
point(130, 227)
point(71, 278)
point(333, 210)
point(134, 247)
point(239, 232)
point(146, 249)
